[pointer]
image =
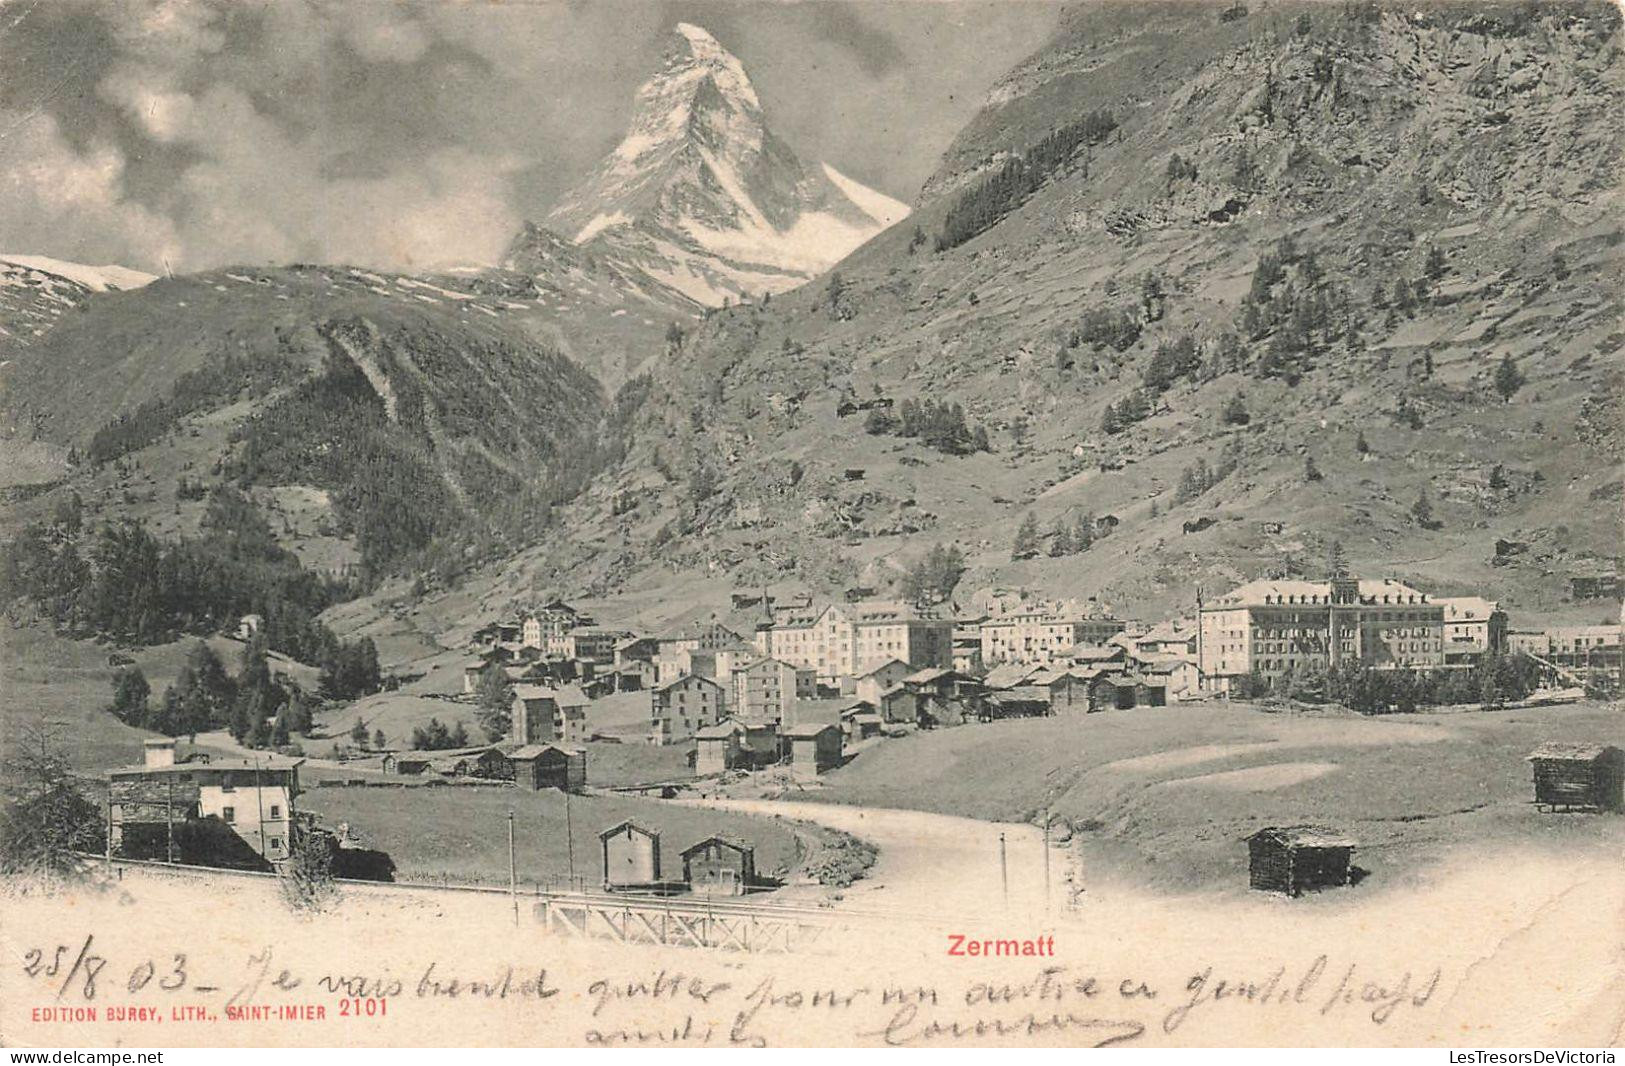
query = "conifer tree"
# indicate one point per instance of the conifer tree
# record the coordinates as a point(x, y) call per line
point(1508, 378)
point(1060, 539)
point(1026, 544)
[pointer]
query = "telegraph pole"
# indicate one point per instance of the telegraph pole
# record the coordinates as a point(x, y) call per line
point(169, 818)
point(1046, 860)
point(259, 805)
point(1004, 871)
point(1201, 672)
point(569, 833)
point(513, 876)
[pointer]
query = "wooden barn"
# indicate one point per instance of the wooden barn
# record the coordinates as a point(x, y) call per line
point(410, 765)
point(719, 866)
point(1298, 859)
point(1023, 701)
point(489, 763)
point(719, 747)
point(1579, 775)
point(1111, 692)
point(539, 766)
point(1150, 690)
point(814, 748)
point(631, 856)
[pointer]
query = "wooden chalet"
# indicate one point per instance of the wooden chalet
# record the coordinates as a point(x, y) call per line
point(487, 762)
point(1023, 701)
point(631, 856)
point(539, 766)
point(719, 866)
point(720, 747)
point(1570, 776)
point(814, 748)
point(409, 765)
point(1112, 691)
point(1298, 859)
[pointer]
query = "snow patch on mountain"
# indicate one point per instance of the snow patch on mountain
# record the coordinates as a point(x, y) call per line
point(601, 223)
point(877, 205)
point(94, 278)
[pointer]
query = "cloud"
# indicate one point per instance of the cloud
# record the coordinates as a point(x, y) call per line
point(400, 133)
point(56, 199)
point(382, 34)
point(161, 110)
point(876, 51)
point(205, 152)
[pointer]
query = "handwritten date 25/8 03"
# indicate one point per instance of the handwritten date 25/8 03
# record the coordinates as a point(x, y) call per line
point(78, 968)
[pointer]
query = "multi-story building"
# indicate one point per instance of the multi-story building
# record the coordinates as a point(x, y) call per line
point(593, 644)
point(767, 690)
point(542, 714)
point(967, 646)
point(1473, 627)
point(680, 707)
point(548, 626)
point(1041, 632)
point(703, 636)
point(253, 797)
point(1173, 638)
point(845, 639)
point(1576, 653)
point(1271, 628)
point(876, 680)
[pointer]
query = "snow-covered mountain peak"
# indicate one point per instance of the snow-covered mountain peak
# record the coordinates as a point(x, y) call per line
point(94, 278)
point(702, 197)
point(694, 50)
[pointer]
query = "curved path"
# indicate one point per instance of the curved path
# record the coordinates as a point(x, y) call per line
point(934, 864)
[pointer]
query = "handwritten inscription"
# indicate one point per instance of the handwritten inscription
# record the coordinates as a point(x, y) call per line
point(1310, 988)
point(717, 1004)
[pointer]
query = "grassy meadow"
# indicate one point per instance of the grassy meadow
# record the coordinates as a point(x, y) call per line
point(1165, 796)
point(460, 835)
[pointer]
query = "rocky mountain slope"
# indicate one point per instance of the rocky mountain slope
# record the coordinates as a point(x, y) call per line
point(36, 290)
point(701, 197)
point(1246, 283)
point(1207, 289)
point(384, 423)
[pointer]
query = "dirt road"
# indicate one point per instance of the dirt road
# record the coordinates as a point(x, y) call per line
point(932, 865)
point(1488, 924)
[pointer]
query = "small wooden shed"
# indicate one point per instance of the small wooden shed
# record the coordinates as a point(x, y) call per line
point(1150, 691)
point(719, 866)
point(1579, 775)
point(539, 766)
point(410, 765)
point(719, 747)
point(490, 763)
point(1111, 692)
point(814, 748)
point(1298, 859)
point(631, 855)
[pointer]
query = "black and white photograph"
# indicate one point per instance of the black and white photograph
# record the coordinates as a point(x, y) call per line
point(812, 523)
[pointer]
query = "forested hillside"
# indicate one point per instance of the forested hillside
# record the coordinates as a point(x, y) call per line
point(276, 442)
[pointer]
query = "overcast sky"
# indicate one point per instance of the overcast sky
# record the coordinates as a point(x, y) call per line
point(406, 134)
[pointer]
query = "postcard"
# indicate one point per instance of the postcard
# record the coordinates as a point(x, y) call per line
point(738, 523)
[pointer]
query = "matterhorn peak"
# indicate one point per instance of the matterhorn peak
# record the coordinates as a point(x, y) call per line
point(702, 46)
point(703, 198)
point(694, 59)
